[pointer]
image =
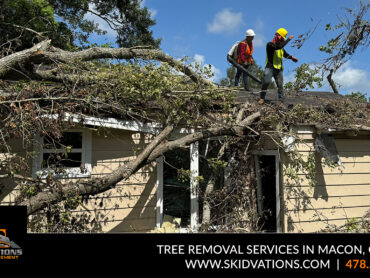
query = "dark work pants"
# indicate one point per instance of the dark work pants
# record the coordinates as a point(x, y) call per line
point(245, 77)
point(278, 76)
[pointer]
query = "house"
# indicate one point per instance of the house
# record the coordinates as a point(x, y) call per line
point(131, 206)
point(339, 194)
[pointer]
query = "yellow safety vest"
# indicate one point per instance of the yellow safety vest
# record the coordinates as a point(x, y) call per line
point(278, 59)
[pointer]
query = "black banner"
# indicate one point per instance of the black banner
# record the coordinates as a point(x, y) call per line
point(183, 253)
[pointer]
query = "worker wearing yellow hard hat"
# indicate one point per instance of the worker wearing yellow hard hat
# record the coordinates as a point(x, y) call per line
point(275, 53)
point(282, 32)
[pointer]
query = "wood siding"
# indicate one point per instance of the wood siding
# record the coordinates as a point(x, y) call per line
point(341, 194)
point(131, 205)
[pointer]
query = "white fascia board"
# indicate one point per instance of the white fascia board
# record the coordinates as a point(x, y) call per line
point(110, 123)
point(303, 129)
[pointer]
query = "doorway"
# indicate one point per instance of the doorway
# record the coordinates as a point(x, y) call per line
point(268, 202)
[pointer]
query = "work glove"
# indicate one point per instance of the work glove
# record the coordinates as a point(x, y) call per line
point(295, 60)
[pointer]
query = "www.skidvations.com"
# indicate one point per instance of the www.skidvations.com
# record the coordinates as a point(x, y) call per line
point(256, 264)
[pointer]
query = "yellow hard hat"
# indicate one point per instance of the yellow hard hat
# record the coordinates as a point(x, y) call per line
point(282, 32)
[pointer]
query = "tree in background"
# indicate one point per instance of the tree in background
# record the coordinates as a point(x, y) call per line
point(230, 77)
point(128, 18)
point(352, 34)
point(305, 76)
point(24, 23)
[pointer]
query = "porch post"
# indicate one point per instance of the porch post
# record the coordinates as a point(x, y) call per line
point(159, 187)
point(194, 170)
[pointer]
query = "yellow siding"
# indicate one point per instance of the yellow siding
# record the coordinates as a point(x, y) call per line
point(341, 193)
point(8, 191)
point(130, 206)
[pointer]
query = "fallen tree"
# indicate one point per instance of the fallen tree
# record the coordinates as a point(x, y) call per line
point(43, 53)
point(154, 150)
point(36, 99)
point(43, 84)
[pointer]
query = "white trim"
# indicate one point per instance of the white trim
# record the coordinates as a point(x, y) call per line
point(69, 172)
point(110, 123)
point(159, 187)
point(275, 153)
point(194, 202)
point(303, 129)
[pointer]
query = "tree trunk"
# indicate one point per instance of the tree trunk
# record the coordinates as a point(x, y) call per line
point(332, 83)
point(99, 185)
point(43, 53)
point(8, 63)
point(151, 152)
point(206, 220)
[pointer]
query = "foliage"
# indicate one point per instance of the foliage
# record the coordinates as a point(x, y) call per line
point(233, 201)
point(352, 225)
point(128, 18)
point(24, 23)
point(305, 76)
point(139, 91)
point(352, 33)
point(358, 96)
point(229, 80)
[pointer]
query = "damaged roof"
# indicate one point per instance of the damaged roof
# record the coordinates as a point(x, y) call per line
point(323, 110)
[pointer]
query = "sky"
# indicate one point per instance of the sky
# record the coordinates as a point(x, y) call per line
point(205, 30)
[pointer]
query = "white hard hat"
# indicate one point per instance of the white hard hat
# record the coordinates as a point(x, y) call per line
point(250, 33)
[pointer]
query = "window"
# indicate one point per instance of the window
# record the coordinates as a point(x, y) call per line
point(175, 197)
point(69, 158)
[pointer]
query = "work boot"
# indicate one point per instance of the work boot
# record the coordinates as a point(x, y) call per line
point(261, 101)
point(247, 89)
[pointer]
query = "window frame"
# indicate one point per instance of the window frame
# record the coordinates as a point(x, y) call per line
point(71, 172)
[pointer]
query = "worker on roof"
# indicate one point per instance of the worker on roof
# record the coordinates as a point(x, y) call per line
point(244, 57)
point(274, 63)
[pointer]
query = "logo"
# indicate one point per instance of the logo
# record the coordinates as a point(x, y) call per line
point(9, 250)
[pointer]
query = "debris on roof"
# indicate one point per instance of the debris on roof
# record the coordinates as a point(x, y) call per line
point(323, 110)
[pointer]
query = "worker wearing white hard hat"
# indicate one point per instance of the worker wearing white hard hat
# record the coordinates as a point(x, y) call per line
point(244, 57)
point(250, 33)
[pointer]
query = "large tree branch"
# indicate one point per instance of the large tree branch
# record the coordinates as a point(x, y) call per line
point(98, 185)
point(95, 53)
point(154, 150)
point(234, 130)
point(42, 52)
point(8, 63)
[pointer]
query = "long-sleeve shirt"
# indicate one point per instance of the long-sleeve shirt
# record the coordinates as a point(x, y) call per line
point(271, 47)
point(245, 52)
